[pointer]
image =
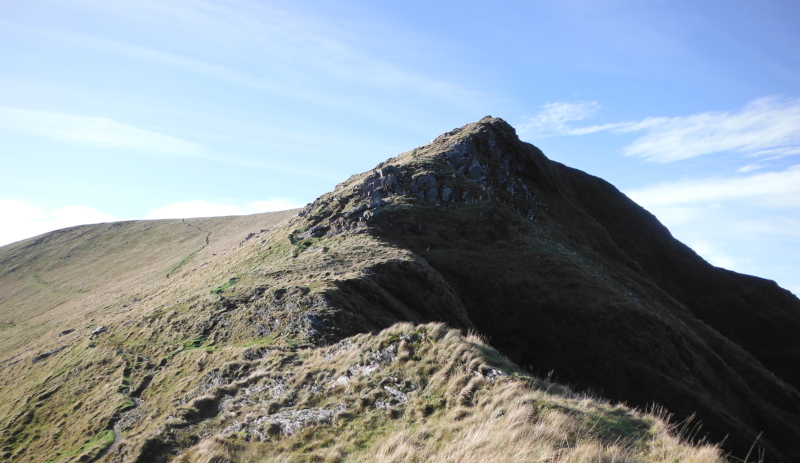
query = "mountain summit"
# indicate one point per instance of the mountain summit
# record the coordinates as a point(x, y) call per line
point(564, 273)
point(212, 335)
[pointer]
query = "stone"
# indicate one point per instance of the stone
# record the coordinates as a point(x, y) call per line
point(446, 192)
point(424, 187)
point(47, 354)
point(255, 353)
point(260, 330)
point(98, 330)
point(355, 212)
point(475, 170)
point(316, 231)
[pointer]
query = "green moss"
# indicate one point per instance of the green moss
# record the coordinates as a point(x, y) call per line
point(263, 341)
point(89, 450)
point(279, 249)
point(126, 405)
point(620, 424)
point(302, 245)
point(391, 339)
point(434, 400)
point(221, 289)
point(195, 343)
point(183, 262)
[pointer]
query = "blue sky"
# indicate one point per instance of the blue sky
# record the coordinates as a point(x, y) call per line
point(151, 109)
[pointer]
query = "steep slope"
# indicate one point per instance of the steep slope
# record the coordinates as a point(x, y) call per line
point(564, 273)
point(478, 230)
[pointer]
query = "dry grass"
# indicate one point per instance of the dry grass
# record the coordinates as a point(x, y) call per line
point(463, 409)
point(78, 279)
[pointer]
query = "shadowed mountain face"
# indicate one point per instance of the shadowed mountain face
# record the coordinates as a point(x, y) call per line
point(564, 273)
point(557, 269)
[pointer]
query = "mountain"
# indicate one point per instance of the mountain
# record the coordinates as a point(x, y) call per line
point(327, 332)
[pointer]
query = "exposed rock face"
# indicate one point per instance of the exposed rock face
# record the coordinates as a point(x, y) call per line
point(566, 274)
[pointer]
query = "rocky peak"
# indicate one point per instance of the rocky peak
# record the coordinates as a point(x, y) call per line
point(481, 161)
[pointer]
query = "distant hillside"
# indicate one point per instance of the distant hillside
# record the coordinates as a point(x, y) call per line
point(59, 278)
point(307, 336)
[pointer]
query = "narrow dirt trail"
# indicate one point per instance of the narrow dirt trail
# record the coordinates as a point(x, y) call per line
point(187, 258)
point(207, 232)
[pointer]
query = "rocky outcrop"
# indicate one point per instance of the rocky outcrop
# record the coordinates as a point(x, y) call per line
point(44, 355)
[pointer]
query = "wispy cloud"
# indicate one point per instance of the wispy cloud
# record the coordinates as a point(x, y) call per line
point(771, 189)
point(555, 118)
point(764, 127)
point(199, 208)
point(764, 124)
point(750, 168)
point(776, 153)
point(91, 131)
point(279, 49)
point(302, 46)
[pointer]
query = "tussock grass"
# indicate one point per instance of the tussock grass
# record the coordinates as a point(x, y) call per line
point(465, 403)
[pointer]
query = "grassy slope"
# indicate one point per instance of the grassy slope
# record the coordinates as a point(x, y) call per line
point(79, 279)
point(48, 281)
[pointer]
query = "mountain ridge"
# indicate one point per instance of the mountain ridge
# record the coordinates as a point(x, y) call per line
point(558, 269)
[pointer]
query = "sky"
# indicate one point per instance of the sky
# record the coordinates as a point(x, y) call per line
point(150, 109)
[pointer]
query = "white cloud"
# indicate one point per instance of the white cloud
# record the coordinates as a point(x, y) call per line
point(22, 220)
point(553, 119)
point(91, 131)
point(772, 189)
point(750, 168)
point(714, 255)
point(199, 208)
point(767, 126)
point(764, 124)
point(776, 153)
